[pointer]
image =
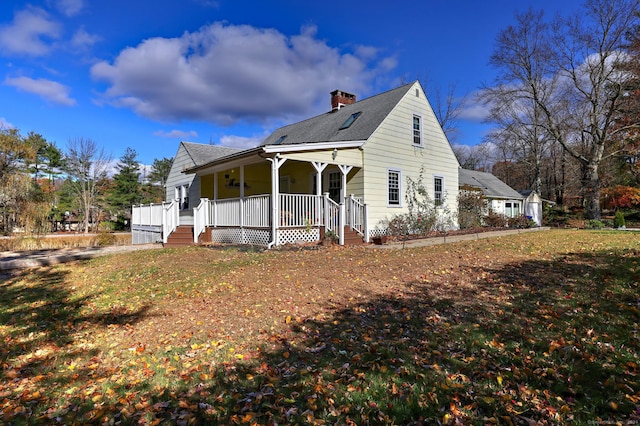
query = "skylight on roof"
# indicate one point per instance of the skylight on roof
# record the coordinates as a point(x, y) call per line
point(350, 120)
point(280, 139)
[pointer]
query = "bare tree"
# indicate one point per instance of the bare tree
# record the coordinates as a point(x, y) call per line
point(446, 107)
point(564, 74)
point(86, 166)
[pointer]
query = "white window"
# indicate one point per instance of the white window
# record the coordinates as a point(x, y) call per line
point(394, 182)
point(417, 130)
point(512, 209)
point(438, 190)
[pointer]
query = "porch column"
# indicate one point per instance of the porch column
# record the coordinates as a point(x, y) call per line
point(276, 163)
point(241, 206)
point(343, 199)
point(319, 169)
point(214, 205)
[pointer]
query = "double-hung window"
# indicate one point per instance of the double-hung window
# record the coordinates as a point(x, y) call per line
point(393, 187)
point(417, 130)
point(438, 190)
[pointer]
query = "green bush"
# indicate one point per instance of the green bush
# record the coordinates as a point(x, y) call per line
point(594, 224)
point(619, 221)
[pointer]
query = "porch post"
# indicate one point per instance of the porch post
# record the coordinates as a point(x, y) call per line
point(345, 169)
point(214, 205)
point(276, 163)
point(241, 206)
point(319, 169)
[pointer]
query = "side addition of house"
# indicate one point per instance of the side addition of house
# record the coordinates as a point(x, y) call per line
point(342, 173)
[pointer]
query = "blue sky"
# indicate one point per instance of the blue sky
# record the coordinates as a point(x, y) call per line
point(147, 74)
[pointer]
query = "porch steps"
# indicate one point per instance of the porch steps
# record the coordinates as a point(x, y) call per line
point(182, 236)
point(351, 237)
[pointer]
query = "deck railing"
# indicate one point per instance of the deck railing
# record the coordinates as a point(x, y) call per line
point(200, 218)
point(257, 211)
point(148, 215)
point(296, 211)
point(357, 215)
point(170, 218)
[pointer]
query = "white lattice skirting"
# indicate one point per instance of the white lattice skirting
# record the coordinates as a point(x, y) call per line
point(253, 236)
point(262, 237)
point(298, 235)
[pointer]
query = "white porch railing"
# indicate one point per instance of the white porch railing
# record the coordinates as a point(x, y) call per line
point(146, 215)
point(170, 218)
point(331, 215)
point(357, 213)
point(296, 211)
point(200, 218)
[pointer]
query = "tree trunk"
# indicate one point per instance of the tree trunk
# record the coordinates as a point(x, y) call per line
point(591, 188)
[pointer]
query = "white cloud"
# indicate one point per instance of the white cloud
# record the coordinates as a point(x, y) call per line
point(4, 124)
point(50, 90)
point(226, 73)
point(70, 7)
point(27, 32)
point(241, 141)
point(177, 134)
point(474, 109)
point(82, 39)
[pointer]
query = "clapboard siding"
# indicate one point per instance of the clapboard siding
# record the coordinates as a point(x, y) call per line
point(391, 147)
point(182, 161)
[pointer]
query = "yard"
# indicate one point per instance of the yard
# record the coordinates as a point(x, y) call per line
point(538, 327)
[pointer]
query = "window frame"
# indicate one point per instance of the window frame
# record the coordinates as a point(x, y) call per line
point(397, 172)
point(438, 196)
point(417, 133)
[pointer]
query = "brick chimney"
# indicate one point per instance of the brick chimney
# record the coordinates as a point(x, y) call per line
point(340, 99)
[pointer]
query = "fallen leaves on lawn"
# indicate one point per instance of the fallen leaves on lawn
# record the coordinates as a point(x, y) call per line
point(530, 329)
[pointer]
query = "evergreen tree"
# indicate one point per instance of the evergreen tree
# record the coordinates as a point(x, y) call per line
point(154, 190)
point(126, 189)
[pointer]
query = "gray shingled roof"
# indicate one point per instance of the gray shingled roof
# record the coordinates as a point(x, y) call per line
point(490, 185)
point(202, 154)
point(326, 127)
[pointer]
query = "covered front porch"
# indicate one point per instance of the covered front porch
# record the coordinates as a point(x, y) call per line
point(305, 201)
point(249, 220)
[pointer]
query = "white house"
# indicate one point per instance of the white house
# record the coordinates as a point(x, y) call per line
point(344, 172)
point(501, 197)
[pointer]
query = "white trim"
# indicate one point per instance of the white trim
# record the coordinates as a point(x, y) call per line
point(421, 144)
point(442, 190)
point(316, 146)
point(399, 172)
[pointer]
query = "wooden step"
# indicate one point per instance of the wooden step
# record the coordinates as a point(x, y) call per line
point(352, 238)
point(181, 237)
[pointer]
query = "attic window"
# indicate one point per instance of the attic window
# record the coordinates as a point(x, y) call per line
point(280, 139)
point(350, 120)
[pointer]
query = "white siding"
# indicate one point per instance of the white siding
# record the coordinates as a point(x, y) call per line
point(391, 146)
point(182, 161)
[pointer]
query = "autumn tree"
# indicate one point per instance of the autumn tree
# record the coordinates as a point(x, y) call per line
point(19, 199)
point(563, 73)
point(86, 167)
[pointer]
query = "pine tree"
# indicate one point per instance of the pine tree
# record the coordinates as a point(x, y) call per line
point(126, 189)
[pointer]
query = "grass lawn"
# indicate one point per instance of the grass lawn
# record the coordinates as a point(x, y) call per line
point(536, 328)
